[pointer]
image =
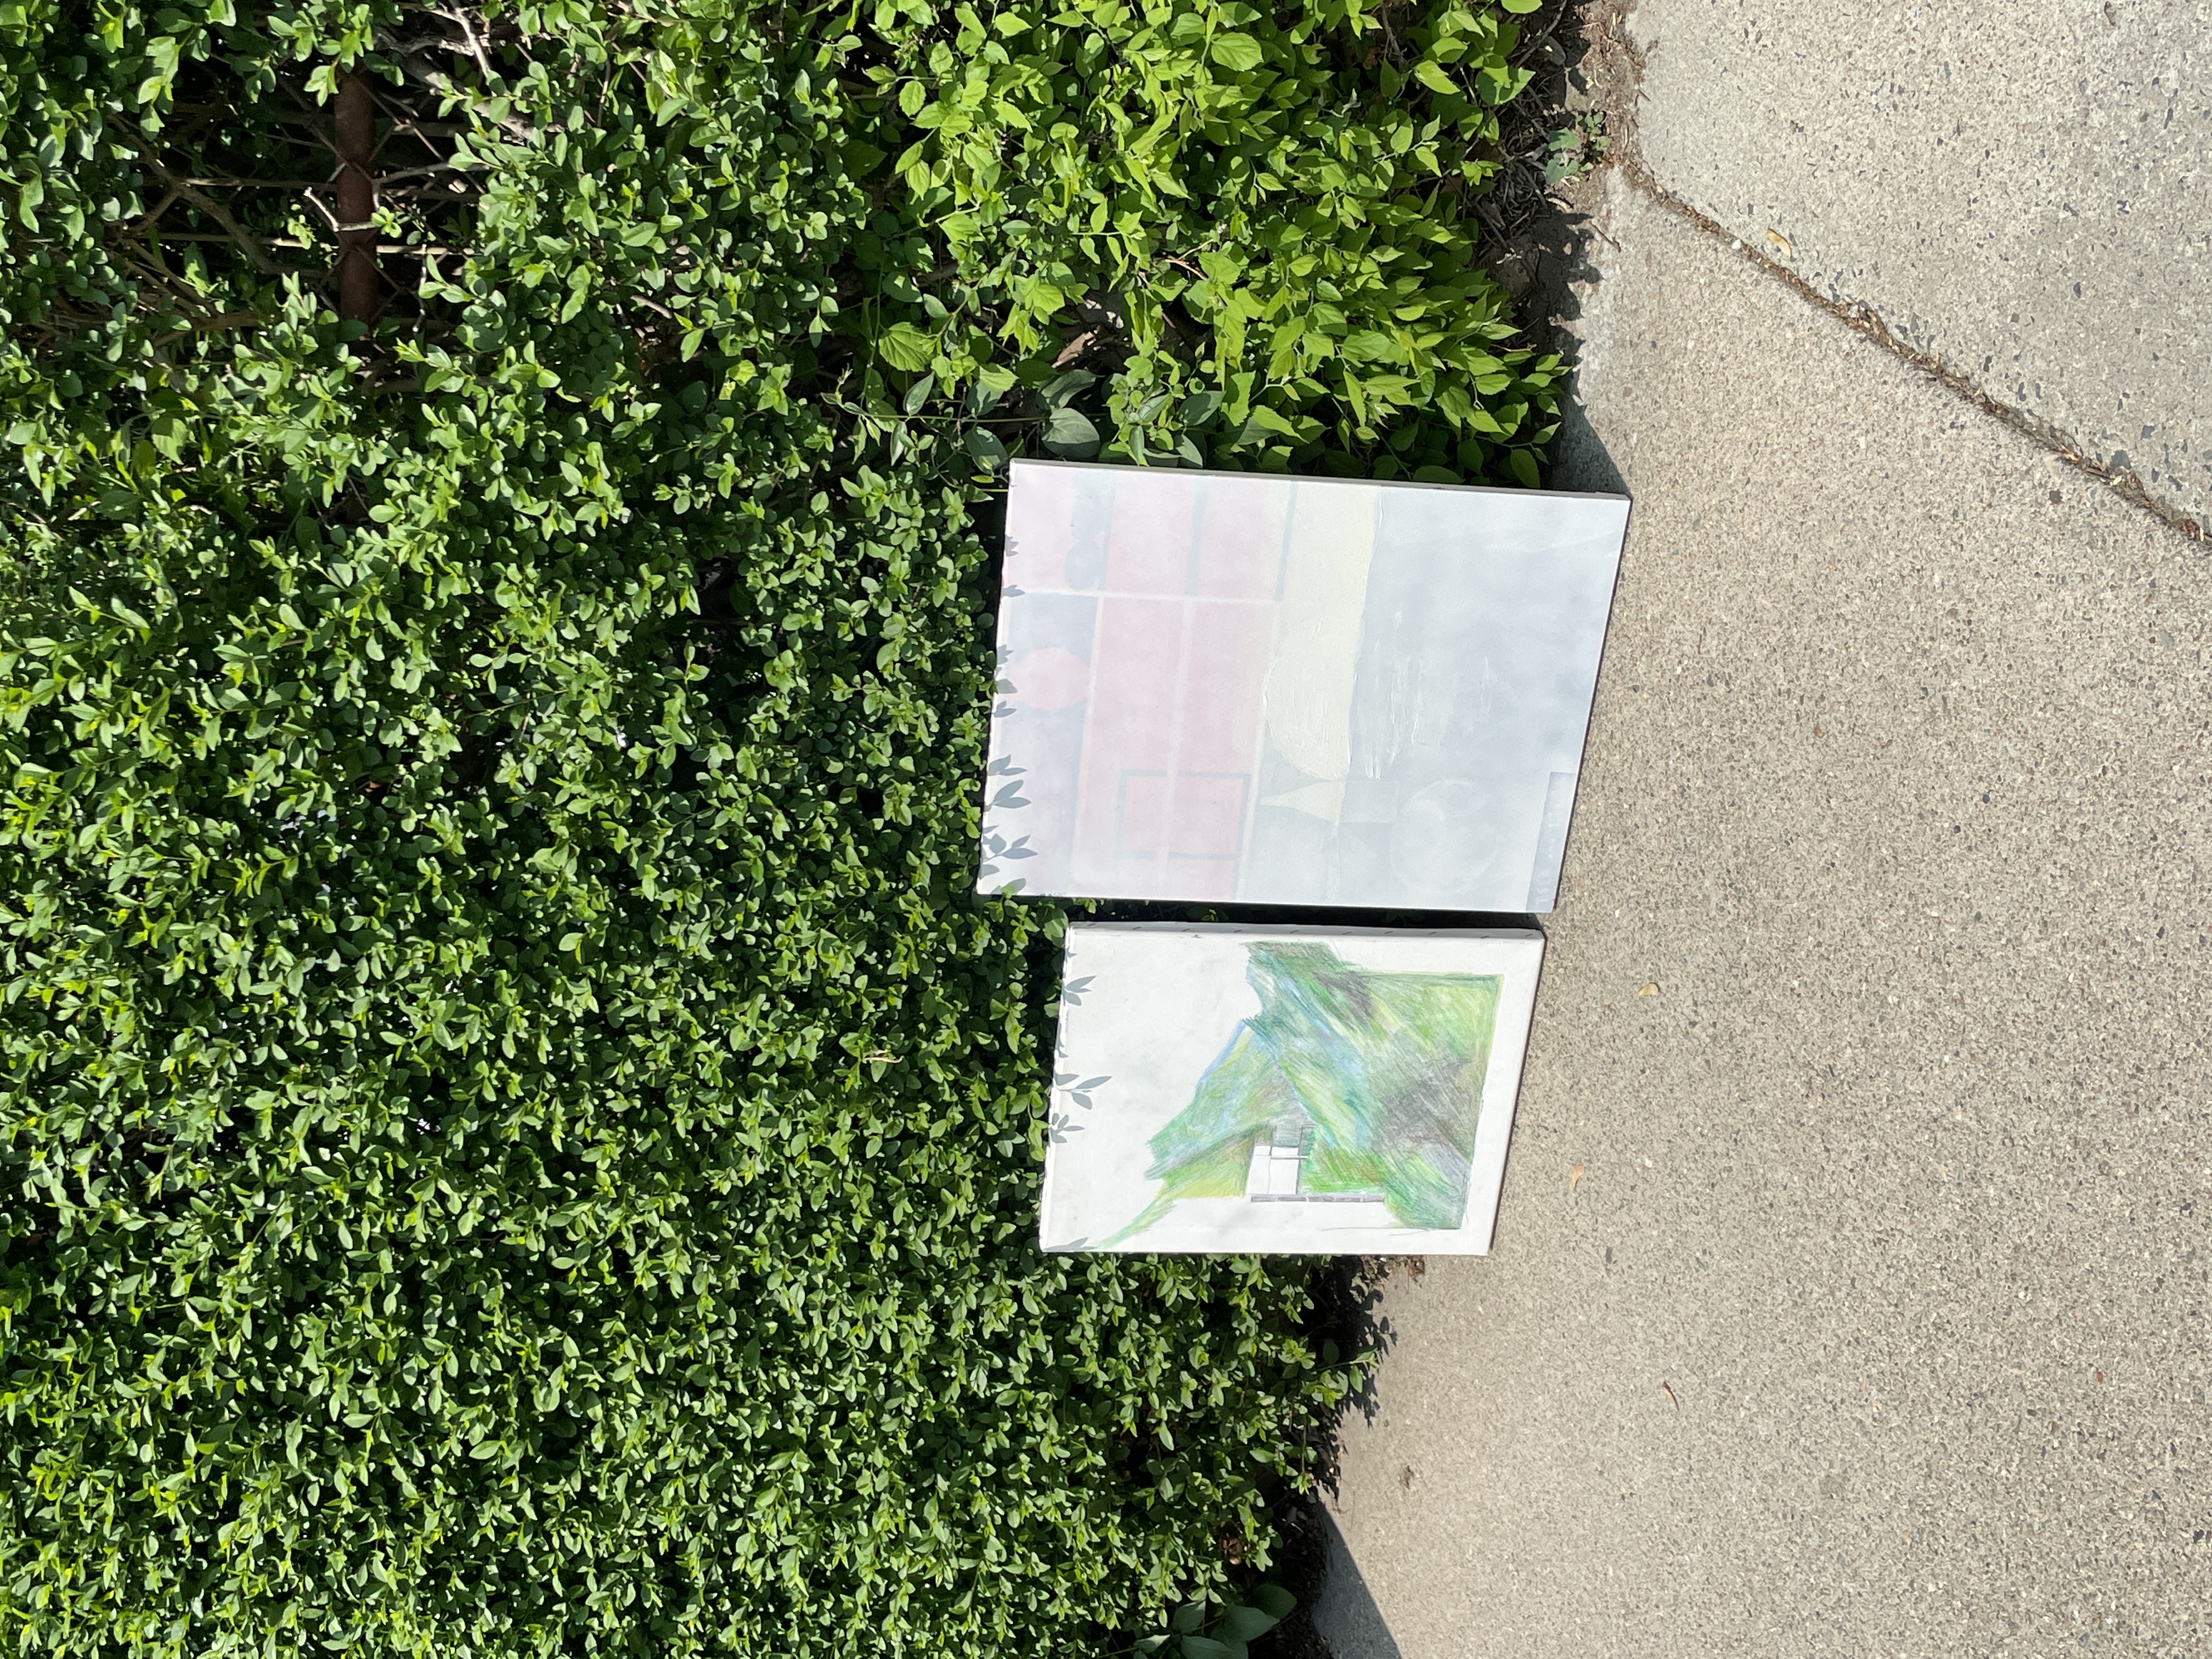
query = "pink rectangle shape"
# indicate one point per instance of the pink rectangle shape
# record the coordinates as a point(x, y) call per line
point(1223, 688)
point(1208, 814)
point(1141, 830)
point(1203, 879)
point(1041, 529)
point(1240, 539)
point(1148, 547)
point(1132, 719)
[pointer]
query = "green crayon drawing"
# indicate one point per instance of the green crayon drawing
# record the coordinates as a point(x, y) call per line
point(1348, 1085)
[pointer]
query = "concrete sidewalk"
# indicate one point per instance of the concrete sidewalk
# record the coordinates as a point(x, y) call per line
point(2023, 191)
point(1853, 1280)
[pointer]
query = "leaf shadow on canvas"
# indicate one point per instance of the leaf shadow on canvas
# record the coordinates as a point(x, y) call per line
point(1350, 1085)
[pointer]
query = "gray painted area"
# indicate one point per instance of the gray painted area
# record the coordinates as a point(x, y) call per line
point(2024, 191)
point(1874, 1020)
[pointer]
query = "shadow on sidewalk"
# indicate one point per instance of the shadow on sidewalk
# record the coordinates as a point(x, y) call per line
point(1556, 250)
point(1348, 1619)
point(1341, 1619)
point(1541, 235)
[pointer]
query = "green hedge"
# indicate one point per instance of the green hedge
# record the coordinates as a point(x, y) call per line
point(517, 1135)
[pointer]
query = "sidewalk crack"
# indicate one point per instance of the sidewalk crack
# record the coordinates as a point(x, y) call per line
point(1864, 321)
point(1613, 67)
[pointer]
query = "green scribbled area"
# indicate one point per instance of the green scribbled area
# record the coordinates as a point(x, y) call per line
point(1386, 1068)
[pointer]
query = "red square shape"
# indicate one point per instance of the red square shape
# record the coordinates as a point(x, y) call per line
point(1209, 815)
point(1241, 539)
point(1144, 815)
point(1148, 547)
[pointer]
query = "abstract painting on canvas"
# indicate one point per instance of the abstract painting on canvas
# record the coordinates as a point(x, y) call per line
point(1238, 687)
point(1331, 1090)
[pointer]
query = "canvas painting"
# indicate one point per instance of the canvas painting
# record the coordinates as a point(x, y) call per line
point(1238, 687)
point(1325, 1090)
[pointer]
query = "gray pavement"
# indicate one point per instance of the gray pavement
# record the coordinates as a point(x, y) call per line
point(2023, 191)
point(1852, 1283)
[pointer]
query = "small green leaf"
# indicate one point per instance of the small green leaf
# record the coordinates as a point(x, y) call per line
point(1240, 52)
point(1070, 435)
point(1275, 1600)
point(1431, 73)
point(985, 446)
point(1244, 1623)
point(1198, 408)
point(1523, 464)
point(1187, 1617)
point(1205, 1647)
point(906, 348)
point(918, 394)
point(993, 382)
point(1263, 423)
point(1060, 389)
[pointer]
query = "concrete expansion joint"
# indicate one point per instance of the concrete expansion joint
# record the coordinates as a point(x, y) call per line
point(1862, 321)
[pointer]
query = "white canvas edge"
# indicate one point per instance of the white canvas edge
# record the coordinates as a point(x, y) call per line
point(1025, 462)
point(1501, 1091)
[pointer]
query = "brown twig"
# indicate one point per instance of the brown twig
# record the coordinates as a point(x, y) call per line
point(415, 249)
point(215, 210)
point(475, 47)
point(385, 179)
point(354, 127)
point(147, 218)
point(316, 202)
point(521, 131)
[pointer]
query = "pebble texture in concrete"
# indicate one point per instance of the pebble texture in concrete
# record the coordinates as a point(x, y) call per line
point(1850, 1293)
point(2023, 191)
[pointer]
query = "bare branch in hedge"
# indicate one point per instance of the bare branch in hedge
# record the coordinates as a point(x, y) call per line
point(206, 204)
point(411, 64)
point(353, 124)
